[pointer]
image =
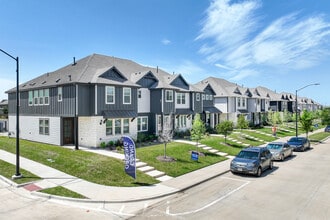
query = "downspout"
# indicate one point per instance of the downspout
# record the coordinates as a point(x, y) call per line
point(76, 119)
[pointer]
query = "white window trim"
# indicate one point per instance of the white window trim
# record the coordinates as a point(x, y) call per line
point(46, 97)
point(106, 95)
point(139, 127)
point(32, 101)
point(60, 94)
point(198, 97)
point(43, 126)
point(171, 92)
point(130, 95)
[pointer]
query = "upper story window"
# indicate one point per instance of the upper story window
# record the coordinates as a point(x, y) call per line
point(203, 97)
point(239, 102)
point(243, 102)
point(139, 94)
point(180, 98)
point(59, 94)
point(41, 97)
point(110, 95)
point(211, 97)
point(207, 97)
point(36, 97)
point(168, 95)
point(127, 95)
point(198, 97)
point(30, 98)
point(46, 96)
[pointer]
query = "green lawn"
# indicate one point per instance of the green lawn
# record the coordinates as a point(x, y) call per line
point(247, 140)
point(217, 143)
point(182, 155)
point(257, 135)
point(89, 166)
point(61, 191)
point(7, 170)
point(318, 136)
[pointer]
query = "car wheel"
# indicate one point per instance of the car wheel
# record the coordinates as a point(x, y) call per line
point(271, 165)
point(259, 172)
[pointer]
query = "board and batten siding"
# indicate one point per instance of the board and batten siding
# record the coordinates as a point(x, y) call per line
point(64, 108)
point(156, 101)
point(101, 102)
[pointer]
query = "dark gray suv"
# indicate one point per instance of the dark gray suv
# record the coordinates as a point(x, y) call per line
point(252, 160)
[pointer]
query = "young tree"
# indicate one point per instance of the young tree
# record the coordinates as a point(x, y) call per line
point(325, 116)
point(198, 129)
point(242, 123)
point(166, 134)
point(225, 128)
point(306, 121)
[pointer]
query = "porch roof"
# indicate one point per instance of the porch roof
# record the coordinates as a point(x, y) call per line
point(211, 110)
point(119, 114)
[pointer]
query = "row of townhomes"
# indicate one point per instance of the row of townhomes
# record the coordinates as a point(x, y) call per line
point(101, 98)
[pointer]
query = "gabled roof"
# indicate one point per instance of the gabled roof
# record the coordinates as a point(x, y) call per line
point(269, 93)
point(103, 69)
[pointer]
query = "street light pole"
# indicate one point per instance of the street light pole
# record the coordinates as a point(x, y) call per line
point(313, 84)
point(17, 174)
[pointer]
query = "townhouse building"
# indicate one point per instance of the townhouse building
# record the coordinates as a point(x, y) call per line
point(101, 98)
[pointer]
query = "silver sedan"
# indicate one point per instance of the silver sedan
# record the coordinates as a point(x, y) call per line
point(280, 150)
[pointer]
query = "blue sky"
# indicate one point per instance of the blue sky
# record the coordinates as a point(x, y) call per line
point(279, 44)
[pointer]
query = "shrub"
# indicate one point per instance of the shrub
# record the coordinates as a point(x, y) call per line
point(103, 144)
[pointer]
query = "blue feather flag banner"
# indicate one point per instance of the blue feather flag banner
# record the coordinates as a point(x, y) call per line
point(130, 156)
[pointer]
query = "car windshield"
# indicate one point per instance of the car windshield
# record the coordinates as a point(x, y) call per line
point(274, 146)
point(296, 139)
point(248, 155)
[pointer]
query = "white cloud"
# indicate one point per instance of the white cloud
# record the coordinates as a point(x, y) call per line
point(234, 35)
point(223, 66)
point(166, 41)
point(188, 67)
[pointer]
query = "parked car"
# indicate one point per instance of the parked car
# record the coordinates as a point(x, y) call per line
point(252, 160)
point(299, 143)
point(280, 150)
point(327, 128)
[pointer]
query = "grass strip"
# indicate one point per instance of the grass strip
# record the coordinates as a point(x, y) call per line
point(7, 170)
point(61, 191)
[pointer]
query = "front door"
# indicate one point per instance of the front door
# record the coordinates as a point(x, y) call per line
point(68, 131)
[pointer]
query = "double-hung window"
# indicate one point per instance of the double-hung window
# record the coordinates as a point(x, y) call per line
point(41, 96)
point(30, 98)
point(127, 95)
point(117, 126)
point(181, 98)
point(142, 123)
point(168, 95)
point(36, 97)
point(198, 96)
point(110, 95)
point(108, 127)
point(46, 96)
point(59, 94)
point(126, 125)
point(44, 126)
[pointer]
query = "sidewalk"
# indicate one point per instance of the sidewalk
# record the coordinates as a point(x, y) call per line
point(109, 194)
point(101, 193)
